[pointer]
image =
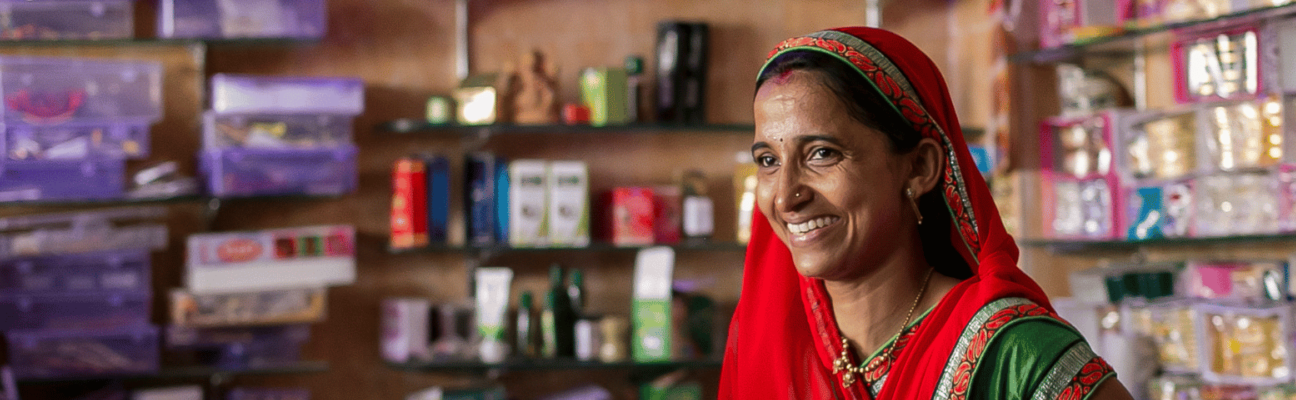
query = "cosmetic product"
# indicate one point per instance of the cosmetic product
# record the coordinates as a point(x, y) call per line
point(603, 90)
point(526, 328)
point(632, 216)
point(271, 259)
point(405, 330)
point(576, 291)
point(492, 306)
point(438, 198)
point(634, 66)
point(588, 339)
point(615, 334)
point(667, 201)
point(440, 110)
point(651, 339)
point(557, 320)
point(409, 216)
point(569, 210)
point(699, 212)
point(528, 192)
point(745, 188)
point(480, 194)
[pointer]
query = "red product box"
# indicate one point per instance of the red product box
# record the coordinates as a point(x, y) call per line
point(409, 204)
point(667, 201)
point(631, 216)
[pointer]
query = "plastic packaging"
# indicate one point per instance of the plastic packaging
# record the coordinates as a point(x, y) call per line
point(310, 256)
point(53, 91)
point(66, 20)
point(1244, 136)
point(243, 393)
point(1257, 281)
point(267, 95)
point(1243, 345)
point(68, 354)
point(1163, 147)
point(1172, 326)
point(48, 180)
point(239, 347)
point(125, 270)
point(76, 141)
point(81, 232)
point(234, 19)
point(1220, 65)
point(286, 131)
point(246, 309)
point(493, 285)
point(1238, 204)
point(74, 311)
point(238, 172)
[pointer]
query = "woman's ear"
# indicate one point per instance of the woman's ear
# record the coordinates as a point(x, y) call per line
point(927, 160)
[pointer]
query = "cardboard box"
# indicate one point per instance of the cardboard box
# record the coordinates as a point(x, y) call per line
point(569, 210)
point(409, 204)
point(631, 216)
point(528, 214)
point(271, 259)
point(651, 309)
point(667, 201)
point(603, 90)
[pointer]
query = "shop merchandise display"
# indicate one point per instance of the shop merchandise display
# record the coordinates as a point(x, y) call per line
point(67, 20)
point(237, 19)
point(1068, 22)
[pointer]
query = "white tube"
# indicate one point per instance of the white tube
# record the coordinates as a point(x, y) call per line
point(492, 306)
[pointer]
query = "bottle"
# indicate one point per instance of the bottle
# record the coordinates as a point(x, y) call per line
point(576, 292)
point(634, 88)
point(558, 319)
point(699, 215)
point(526, 328)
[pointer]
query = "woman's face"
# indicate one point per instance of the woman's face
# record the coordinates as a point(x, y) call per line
point(830, 187)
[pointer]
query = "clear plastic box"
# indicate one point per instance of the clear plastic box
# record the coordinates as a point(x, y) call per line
point(246, 309)
point(46, 180)
point(126, 270)
point(252, 172)
point(70, 141)
point(82, 232)
point(53, 91)
point(232, 19)
point(240, 347)
point(268, 394)
point(276, 131)
point(66, 19)
point(248, 94)
point(69, 354)
point(74, 311)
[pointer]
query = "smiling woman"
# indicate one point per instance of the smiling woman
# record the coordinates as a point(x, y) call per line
point(878, 266)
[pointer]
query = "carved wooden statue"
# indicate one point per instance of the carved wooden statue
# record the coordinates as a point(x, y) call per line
point(533, 91)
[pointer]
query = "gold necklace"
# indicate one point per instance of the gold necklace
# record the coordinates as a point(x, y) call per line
point(843, 361)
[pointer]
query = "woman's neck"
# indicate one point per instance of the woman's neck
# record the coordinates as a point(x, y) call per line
point(871, 309)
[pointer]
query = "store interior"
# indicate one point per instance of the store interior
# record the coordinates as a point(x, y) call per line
point(543, 199)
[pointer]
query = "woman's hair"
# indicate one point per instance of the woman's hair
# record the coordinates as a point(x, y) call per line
point(867, 106)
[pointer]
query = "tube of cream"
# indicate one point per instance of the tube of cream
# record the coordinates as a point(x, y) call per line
point(492, 307)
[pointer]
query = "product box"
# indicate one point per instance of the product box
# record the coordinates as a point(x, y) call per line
point(682, 49)
point(1172, 327)
point(276, 131)
point(603, 90)
point(1063, 23)
point(277, 307)
point(1244, 345)
point(1146, 211)
point(409, 204)
point(77, 354)
point(1178, 203)
point(1240, 281)
point(1163, 147)
point(651, 309)
point(97, 272)
point(405, 333)
point(236, 172)
point(271, 259)
point(52, 180)
point(1243, 136)
point(67, 20)
point(238, 19)
point(667, 201)
point(1082, 193)
point(1222, 65)
point(280, 95)
point(631, 216)
point(245, 393)
point(1238, 204)
point(528, 211)
point(81, 232)
point(569, 208)
point(480, 203)
point(74, 311)
point(169, 393)
point(438, 198)
point(72, 141)
point(53, 91)
point(238, 348)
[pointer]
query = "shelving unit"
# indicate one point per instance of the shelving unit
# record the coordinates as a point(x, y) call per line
point(552, 365)
point(596, 247)
point(214, 374)
point(414, 126)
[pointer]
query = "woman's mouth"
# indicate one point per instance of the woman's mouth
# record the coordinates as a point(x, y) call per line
point(811, 225)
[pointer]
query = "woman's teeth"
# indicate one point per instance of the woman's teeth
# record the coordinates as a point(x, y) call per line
point(806, 227)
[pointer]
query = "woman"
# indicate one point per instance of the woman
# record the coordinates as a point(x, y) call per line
point(878, 266)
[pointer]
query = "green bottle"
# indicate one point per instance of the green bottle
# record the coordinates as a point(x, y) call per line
point(576, 292)
point(526, 329)
point(558, 320)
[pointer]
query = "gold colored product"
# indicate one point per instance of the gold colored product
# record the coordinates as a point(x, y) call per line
point(1171, 328)
point(1247, 346)
point(1166, 149)
point(1081, 149)
point(1246, 135)
point(1222, 66)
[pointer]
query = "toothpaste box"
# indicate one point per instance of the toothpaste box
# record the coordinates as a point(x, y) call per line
point(528, 216)
point(568, 203)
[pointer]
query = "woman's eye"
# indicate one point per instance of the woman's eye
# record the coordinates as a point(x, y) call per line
point(819, 154)
point(765, 161)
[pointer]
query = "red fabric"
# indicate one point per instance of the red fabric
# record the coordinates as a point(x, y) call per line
point(783, 337)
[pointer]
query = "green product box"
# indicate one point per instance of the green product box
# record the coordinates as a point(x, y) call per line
point(683, 391)
point(604, 90)
point(652, 331)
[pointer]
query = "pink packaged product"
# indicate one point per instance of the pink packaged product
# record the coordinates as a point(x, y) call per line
point(1223, 65)
point(1238, 281)
point(1081, 191)
point(667, 201)
point(1060, 19)
point(631, 216)
point(271, 259)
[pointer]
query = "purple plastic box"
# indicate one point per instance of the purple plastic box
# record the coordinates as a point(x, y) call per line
point(252, 172)
point(74, 311)
point(82, 232)
point(276, 131)
point(67, 354)
point(268, 394)
point(66, 19)
point(43, 180)
point(54, 91)
point(100, 272)
point(241, 347)
point(232, 19)
point(277, 95)
point(74, 141)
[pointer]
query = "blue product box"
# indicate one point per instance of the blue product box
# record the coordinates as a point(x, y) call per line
point(1146, 211)
point(480, 199)
point(502, 203)
point(438, 198)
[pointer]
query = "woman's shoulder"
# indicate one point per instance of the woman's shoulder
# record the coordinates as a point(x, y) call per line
point(1038, 357)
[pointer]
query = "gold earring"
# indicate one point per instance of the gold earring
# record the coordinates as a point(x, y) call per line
point(914, 201)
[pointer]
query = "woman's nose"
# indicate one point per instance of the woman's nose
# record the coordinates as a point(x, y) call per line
point(792, 192)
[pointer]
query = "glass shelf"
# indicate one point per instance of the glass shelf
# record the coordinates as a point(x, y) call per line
point(305, 367)
point(1123, 43)
point(417, 126)
point(134, 42)
point(552, 365)
point(1079, 246)
point(157, 200)
point(596, 247)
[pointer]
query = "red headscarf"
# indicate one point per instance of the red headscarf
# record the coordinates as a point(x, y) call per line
point(783, 338)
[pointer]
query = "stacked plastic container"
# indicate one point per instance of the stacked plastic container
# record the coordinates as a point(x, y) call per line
point(66, 19)
point(280, 135)
point(239, 19)
point(75, 292)
point(70, 124)
point(249, 296)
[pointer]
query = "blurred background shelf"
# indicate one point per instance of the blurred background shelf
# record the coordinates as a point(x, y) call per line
point(161, 201)
point(1081, 246)
point(306, 367)
point(557, 365)
point(416, 126)
point(136, 42)
point(596, 247)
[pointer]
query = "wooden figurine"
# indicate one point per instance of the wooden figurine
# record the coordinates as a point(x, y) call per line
point(533, 91)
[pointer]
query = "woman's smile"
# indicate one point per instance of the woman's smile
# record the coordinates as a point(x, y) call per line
point(807, 231)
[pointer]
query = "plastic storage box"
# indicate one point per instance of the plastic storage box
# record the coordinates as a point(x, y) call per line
point(76, 141)
point(313, 256)
point(74, 311)
point(247, 94)
point(267, 394)
point(46, 180)
point(51, 91)
point(240, 347)
point(252, 172)
point(233, 19)
point(126, 270)
point(244, 309)
point(69, 354)
point(276, 131)
point(109, 229)
point(66, 19)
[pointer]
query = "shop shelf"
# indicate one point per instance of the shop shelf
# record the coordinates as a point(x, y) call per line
point(416, 126)
point(596, 247)
point(176, 373)
point(551, 365)
point(1080, 246)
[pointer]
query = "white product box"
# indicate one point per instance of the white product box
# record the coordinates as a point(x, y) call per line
point(405, 330)
point(527, 211)
point(271, 259)
point(569, 206)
